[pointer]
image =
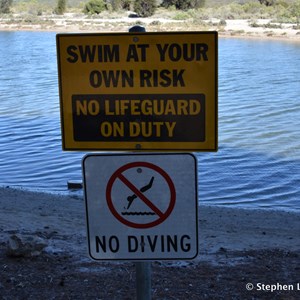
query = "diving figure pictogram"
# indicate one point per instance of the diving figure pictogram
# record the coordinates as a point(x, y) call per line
point(143, 189)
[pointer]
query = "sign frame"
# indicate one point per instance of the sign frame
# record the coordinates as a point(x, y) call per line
point(75, 138)
point(181, 223)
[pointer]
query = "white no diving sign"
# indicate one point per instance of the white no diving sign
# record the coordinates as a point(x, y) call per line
point(141, 206)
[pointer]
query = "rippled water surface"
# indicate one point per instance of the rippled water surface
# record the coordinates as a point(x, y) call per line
point(258, 162)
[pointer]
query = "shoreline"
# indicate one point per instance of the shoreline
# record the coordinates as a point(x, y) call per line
point(234, 229)
point(79, 23)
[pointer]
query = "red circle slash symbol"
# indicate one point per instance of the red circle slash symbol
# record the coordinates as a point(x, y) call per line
point(162, 214)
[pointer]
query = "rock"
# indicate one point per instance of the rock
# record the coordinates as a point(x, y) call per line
point(25, 246)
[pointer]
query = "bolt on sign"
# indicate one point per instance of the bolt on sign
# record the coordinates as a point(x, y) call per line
point(128, 215)
point(146, 91)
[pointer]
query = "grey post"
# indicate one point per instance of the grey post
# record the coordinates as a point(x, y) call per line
point(143, 269)
point(143, 280)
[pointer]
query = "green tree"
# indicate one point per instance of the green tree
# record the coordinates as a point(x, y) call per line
point(295, 11)
point(183, 4)
point(144, 8)
point(61, 7)
point(267, 2)
point(94, 7)
point(168, 3)
point(118, 4)
point(5, 6)
point(127, 4)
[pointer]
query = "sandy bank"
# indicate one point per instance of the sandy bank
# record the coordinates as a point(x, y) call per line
point(71, 22)
point(239, 251)
point(63, 218)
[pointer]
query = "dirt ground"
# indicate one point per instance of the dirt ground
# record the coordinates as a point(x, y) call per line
point(238, 249)
point(63, 276)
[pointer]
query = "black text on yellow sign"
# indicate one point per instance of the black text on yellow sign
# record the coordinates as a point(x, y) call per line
point(139, 117)
point(103, 54)
point(147, 91)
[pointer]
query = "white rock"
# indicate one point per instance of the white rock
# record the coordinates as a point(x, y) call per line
point(25, 246)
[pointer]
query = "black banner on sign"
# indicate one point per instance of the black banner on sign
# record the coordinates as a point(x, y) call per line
point(155, 117)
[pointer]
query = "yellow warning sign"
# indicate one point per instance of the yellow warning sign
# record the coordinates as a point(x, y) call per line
point(138, 91)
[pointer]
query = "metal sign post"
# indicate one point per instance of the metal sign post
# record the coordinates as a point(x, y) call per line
point(143, 280)
point(140, 91)
point(142, 269)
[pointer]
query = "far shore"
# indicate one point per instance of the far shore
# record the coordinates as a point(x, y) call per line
point(80, 23)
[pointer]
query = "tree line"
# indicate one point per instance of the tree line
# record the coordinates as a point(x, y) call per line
point(143, 8)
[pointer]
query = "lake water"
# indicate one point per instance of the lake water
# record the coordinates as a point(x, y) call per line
point(258, 162)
